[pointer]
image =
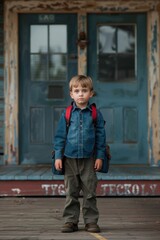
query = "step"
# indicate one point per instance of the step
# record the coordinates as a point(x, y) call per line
point(39, 181)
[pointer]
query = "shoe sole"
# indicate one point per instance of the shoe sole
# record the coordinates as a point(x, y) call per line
point(92, 230)
point(69, 230)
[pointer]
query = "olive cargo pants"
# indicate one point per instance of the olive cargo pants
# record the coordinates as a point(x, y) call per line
point(80, 175)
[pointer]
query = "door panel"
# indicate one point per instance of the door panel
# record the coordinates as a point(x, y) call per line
point(48, 59)
point(117, 63)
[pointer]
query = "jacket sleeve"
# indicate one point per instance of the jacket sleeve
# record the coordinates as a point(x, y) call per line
point(60, 137)
point(100, 141)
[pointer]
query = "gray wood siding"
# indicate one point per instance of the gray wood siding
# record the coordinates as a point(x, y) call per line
point(1, 84)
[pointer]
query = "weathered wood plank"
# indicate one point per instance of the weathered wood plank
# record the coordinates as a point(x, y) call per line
point(1, 83)
point(41, 218)
point(154, 86)
point(38, 180)
point(83, 6)
point(40, 172)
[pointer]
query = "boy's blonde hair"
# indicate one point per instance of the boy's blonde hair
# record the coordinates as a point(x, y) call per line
point(83, 80)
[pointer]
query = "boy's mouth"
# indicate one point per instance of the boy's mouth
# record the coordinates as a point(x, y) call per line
point(81, 99)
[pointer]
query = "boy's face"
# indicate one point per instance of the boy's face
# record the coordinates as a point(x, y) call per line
point(81, 95)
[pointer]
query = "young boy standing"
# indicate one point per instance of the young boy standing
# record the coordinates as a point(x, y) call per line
point(78, 143)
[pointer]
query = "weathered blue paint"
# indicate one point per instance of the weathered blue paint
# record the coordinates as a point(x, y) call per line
point(44, 172)
point(123, 104)
point(154, 40)
point(154, 45)
point(154, 89)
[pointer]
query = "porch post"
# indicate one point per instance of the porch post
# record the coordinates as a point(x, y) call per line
point(82, 52)
point(11, 86)
point(154, 87)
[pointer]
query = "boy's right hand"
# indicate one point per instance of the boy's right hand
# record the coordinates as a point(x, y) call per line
point(58, 164)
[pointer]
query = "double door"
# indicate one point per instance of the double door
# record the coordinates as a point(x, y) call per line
point(116, 60)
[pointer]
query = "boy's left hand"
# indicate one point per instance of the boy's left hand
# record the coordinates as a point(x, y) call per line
point(98, 164)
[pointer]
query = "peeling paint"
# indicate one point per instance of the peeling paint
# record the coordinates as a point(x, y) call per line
point(154, 45)
point(82, 53)
point(11, 89)
point(154, 39)
point(16, 191)
point(154, 97)
point(83, 6)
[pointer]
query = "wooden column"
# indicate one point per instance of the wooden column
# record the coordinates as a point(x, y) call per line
point(11, 86)
point(82, 52)
point(154, 87)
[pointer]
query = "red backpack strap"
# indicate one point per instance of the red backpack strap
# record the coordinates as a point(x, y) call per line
point(69, 109)
point(68, 114)
point(94, 112)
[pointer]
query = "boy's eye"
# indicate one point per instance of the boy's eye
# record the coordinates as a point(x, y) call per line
point(84, 90)
point(76, 91)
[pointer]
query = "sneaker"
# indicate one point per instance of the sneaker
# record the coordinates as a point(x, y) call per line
point(69, 227)
point(92, 227)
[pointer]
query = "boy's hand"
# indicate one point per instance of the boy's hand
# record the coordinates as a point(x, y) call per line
point(58, 164)
point(98, 164)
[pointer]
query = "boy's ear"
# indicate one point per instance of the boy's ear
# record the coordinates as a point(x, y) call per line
point(92, 94)
point(70, 94)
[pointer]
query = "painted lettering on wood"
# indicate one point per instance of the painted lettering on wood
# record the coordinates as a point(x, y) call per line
point(56, 188)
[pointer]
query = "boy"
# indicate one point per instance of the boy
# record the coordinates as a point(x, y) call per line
point(78, 143)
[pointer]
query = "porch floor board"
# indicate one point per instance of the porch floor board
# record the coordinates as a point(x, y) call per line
point(41, 219)
point(44, 172)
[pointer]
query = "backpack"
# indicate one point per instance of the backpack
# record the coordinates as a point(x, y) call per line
point(107, 159)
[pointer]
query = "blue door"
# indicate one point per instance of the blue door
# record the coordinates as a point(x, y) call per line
point(47, 59)
point(117, 62)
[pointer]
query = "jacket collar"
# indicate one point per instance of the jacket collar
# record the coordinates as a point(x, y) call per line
point(75, 106)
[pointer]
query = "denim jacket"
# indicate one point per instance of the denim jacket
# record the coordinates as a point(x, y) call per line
point(82, 138)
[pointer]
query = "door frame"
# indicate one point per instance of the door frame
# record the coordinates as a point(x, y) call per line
point(11, 90)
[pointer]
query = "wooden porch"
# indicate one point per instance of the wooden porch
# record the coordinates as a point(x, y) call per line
point(38, 180)
point(41, 219)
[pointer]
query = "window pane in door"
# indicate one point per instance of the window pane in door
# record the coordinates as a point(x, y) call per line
point(38, 67)
point(126, 38)
point(58, 68)
point(107, 67)
point(48, 52)
point(38, 39)
point(58, 38)
point(106, 39)
point(116, 53)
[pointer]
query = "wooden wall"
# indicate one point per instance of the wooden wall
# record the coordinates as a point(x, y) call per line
point(82, 8)
point(1, 85)
point(154, 87)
